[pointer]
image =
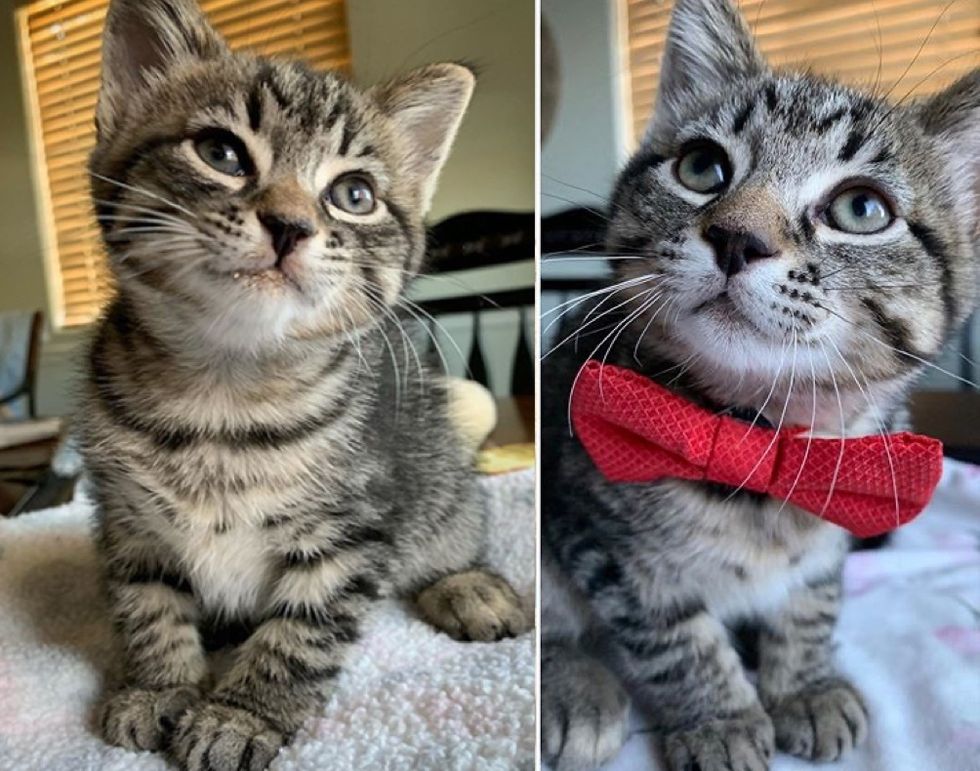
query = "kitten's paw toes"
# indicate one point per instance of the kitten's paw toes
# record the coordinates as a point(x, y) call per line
point(584, 713)
point(821, 723)
point(743, 743)
point(141, 719)
point(216, 737)
point(474, 605)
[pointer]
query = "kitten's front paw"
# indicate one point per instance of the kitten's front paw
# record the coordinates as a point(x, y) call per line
point(474, 605)
point(584, 714)
point(216, 737)
point(143, 719)
point(821, 723)
point(741, 743)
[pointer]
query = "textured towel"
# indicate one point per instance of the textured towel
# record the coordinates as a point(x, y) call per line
point(411, 698)
point(909, 636)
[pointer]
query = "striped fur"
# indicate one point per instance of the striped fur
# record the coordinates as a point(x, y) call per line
point(269, 456)
point(644, 583)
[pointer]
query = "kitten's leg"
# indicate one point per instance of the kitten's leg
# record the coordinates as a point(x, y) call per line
point(685, 673)
point(816, 712)
point(154, 614)
point(584, 708)
point(473, 605)
point(285, 668)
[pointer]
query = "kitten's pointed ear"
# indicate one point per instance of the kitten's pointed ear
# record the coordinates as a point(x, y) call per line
point(952, 117)
point(708, 46)
point(143, 39)
point(426, 107)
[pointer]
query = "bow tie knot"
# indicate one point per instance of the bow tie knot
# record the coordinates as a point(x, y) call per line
point(636, 430)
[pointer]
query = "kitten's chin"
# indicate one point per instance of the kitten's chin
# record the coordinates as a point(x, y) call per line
point(248, 315)
point(722, 320)
point(272, 281)
point(726, 316)
point(722, 334)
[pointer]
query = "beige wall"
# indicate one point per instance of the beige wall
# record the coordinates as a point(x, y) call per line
point(589, 113)
point(492, 164)
point(21, 261)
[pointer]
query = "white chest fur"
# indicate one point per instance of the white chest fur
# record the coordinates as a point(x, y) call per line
point(767, 580)
point(231, 571)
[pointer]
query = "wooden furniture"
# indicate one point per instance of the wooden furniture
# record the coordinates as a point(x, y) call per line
point(953, 417)
point(515, 421)
point(473, 241)
point(24, 470)
point(27, 446)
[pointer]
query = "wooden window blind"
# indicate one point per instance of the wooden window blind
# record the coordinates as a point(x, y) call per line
point(60, 44)
point(838, 38)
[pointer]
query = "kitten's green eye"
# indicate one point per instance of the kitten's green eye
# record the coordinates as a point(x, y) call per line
point(704, 168)
point(859, 210)
point(224, 152)
point(353, 193)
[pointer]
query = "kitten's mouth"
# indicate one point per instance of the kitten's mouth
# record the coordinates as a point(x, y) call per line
point(722, 304)
point(273, 277)
point(724, 310)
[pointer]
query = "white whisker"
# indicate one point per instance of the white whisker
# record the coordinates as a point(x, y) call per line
point(581, 369)
point(872, 405)
point(142, 191)
point(779, 426)
point(843, 430)
point(586, 322)
point(809, 437)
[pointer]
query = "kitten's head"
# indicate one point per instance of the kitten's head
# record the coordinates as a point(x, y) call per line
point(784, 213)
point(256, 198)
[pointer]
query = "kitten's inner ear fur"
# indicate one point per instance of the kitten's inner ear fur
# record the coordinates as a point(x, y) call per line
point(708, 47)
point(144, 39)
point(952, 117)
point(426, 107)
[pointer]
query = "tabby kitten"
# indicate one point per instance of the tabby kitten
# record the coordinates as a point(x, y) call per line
point(267, 458)
point(777, 241)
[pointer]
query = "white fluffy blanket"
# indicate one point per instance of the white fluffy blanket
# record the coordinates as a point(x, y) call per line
point(411, 698)
point(909, 636)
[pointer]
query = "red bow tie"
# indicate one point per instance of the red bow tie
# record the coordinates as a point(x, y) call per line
point(636, 430)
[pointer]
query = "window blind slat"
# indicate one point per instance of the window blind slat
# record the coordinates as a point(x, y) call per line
point(283, 39)
point(80, 104)
point(65, 13)
point(253, 33)
point(242, 18)
point(85, 64)
point(836, 12)
point(69, 88)
point(51, 46)
point(69, 116)
point(907, 34)
point(62, 39)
